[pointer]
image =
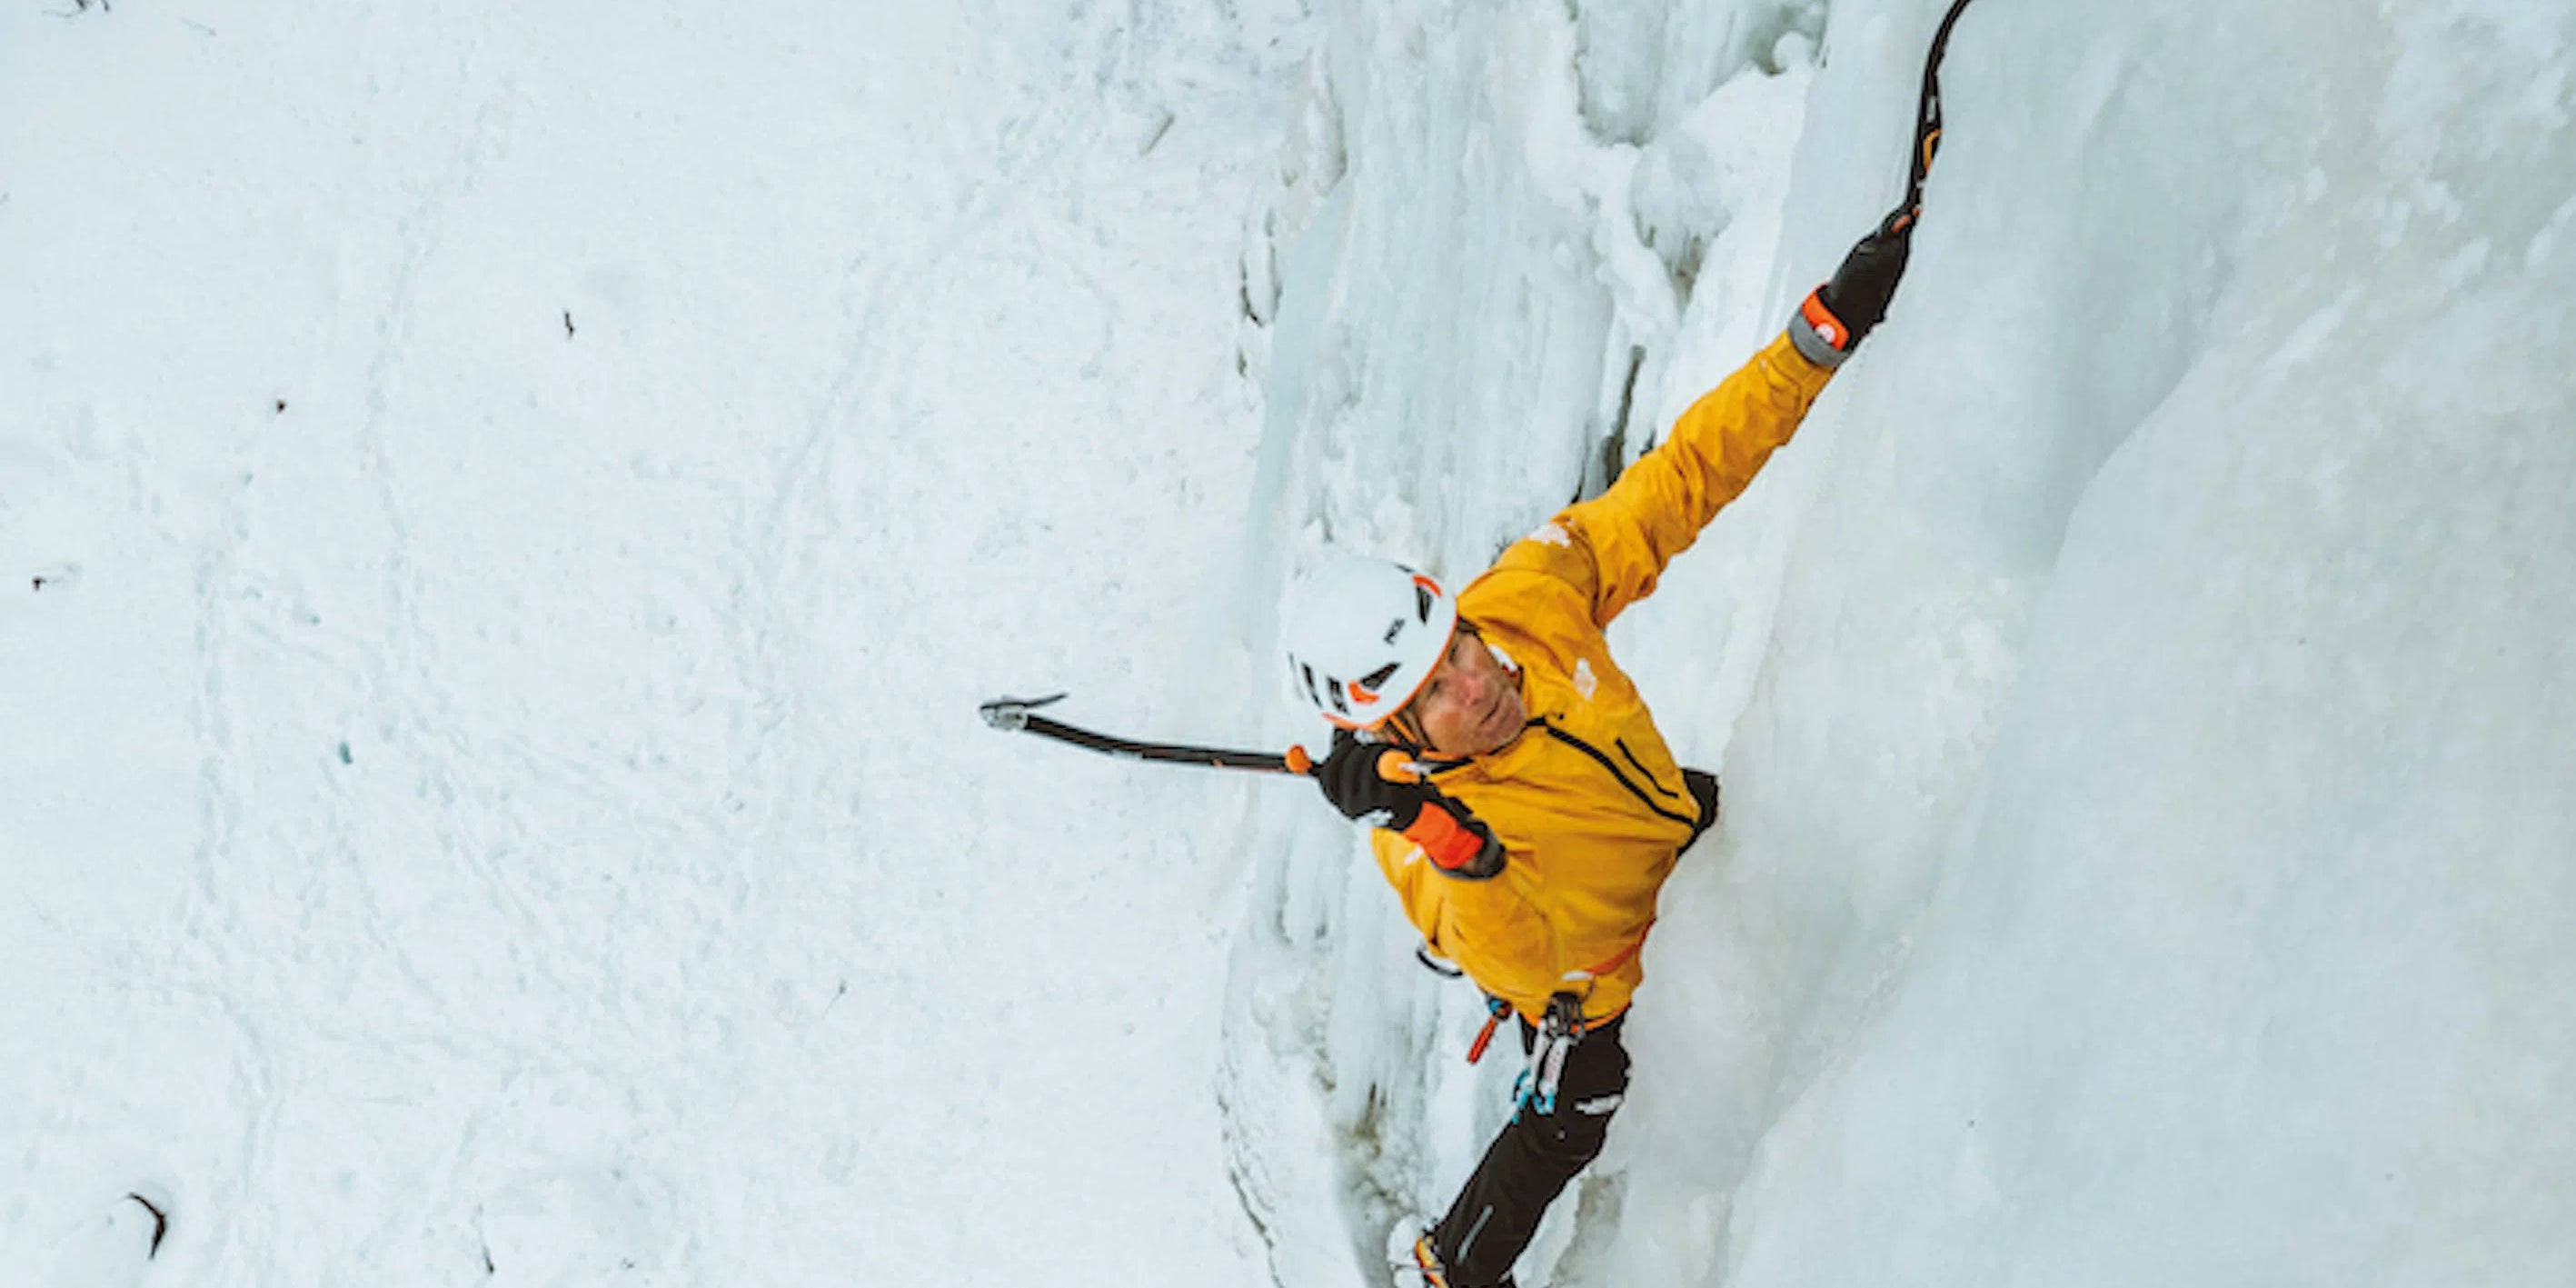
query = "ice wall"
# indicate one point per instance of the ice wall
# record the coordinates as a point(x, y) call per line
point(2192, 616)
point(1465, 299)
point(2139, 689)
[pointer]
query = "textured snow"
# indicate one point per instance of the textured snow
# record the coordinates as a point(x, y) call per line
point(528, 499)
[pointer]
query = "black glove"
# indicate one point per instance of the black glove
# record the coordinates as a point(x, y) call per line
point(1350, 779)
point(1452, 838)
point(1843, 311)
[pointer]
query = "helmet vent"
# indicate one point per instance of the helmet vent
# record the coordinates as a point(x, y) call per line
point(1377, 679)
point(1421, 604)
point(1393, 629)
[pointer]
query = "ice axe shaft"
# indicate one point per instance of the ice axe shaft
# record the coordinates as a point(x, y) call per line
point(1019, 715)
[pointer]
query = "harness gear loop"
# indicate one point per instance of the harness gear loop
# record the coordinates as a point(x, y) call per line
point(1557, 1034)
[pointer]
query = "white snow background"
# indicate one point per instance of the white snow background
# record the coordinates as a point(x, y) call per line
point(506, 513)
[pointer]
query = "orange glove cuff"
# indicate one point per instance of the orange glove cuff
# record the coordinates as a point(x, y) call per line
point(1451, 848)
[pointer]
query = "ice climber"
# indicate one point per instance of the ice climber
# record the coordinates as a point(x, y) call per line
point(1526, 809)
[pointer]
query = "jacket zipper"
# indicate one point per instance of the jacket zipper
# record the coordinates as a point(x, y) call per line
point(1615, 772)
point(1651, 780)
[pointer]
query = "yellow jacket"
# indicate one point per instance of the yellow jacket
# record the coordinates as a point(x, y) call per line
point(1588, 802)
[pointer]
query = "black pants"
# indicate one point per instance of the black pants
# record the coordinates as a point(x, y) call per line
point(1530, 1162)
point(1703, 789)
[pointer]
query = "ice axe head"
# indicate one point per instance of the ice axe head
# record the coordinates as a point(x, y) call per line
point(1012, 714)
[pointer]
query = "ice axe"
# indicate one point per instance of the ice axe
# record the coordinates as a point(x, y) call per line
point(1927, 113)
point(1019, 715)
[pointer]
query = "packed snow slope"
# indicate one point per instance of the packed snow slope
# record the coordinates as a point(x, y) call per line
point(2141, 689)
point(506, 512)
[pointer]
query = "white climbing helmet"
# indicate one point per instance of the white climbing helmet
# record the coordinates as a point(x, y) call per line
point(1362, 635)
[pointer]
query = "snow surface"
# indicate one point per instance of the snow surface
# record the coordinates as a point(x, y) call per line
point(528, 499)
point(505, 513)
